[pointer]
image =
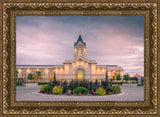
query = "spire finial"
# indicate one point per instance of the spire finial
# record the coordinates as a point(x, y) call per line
point(80, 32)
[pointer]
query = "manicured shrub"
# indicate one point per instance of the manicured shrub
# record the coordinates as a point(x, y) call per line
point(43, 83)
point(81, 90)
point(18, 84)
point(57, 90)
point(139, 85)
point(119, 83)
point(42, 87)
point(117, 88)
point(30, 76)
point(48, 88)
point(111, 89)
point(100, 91)
point(142, 84)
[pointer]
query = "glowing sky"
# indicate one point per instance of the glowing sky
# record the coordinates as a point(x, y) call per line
point(110, 40)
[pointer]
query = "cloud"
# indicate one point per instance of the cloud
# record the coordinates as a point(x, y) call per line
point(110, 39)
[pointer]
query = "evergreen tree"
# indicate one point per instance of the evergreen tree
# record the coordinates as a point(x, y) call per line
point(106, 79)
point(17, 75)
point(38, 75)
point(54, 76)
point(30, 77)
point(126, 77)
point(118, 77)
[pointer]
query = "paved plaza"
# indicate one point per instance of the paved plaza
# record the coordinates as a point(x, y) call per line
point(32, 94)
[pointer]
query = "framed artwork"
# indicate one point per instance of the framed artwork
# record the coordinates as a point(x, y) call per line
point(79, 58)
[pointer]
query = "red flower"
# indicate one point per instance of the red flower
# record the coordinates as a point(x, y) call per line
point(92, 91)
point(42, 91)
point(68, 93)
point(71, 92)
point(48, 92)
point(109, 93)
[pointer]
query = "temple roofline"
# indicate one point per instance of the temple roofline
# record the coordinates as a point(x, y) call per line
point(80, 39)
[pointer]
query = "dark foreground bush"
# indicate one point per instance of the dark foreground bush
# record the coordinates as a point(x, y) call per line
point(84, 83)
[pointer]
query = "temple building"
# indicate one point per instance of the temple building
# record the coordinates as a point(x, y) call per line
point(78, 68)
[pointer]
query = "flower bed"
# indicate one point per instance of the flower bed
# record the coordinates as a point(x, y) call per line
point(73, 88)
point(113, 90)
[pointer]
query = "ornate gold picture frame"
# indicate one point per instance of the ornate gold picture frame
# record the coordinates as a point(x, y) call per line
point(9, 11)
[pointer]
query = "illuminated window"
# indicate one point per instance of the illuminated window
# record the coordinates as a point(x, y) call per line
point(80, 52)
point(42, 77)
point(80, 74)
point(51, 77)
point(24, 77)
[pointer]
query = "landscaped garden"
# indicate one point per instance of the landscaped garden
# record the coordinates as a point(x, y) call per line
point(79, 88)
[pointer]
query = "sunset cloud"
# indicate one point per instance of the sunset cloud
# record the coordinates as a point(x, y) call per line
point(110, 40)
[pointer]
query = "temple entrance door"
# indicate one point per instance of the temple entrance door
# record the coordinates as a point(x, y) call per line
point(115, 76)
point(80, 74)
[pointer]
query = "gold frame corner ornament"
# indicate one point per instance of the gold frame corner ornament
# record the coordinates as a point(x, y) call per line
point(11, 10)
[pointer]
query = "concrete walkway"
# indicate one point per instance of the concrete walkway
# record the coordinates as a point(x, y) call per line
point(32, 94)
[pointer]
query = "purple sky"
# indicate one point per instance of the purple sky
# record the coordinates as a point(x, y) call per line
point(110, 40)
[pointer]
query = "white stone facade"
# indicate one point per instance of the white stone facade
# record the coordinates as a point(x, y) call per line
point(77, 68)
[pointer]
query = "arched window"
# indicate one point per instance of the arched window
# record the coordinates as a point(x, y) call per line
point(80, 74)
point(24, 77)
point(80, 51)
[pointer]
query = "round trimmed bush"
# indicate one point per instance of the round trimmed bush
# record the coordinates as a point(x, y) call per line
point(111, 89)
point(42, 87)
point(81, 90)
point(48, 88)
point(57, 90)
point(117, 88)
point(100, 91)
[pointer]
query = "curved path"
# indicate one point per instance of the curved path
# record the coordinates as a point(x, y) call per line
point(32, 94)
